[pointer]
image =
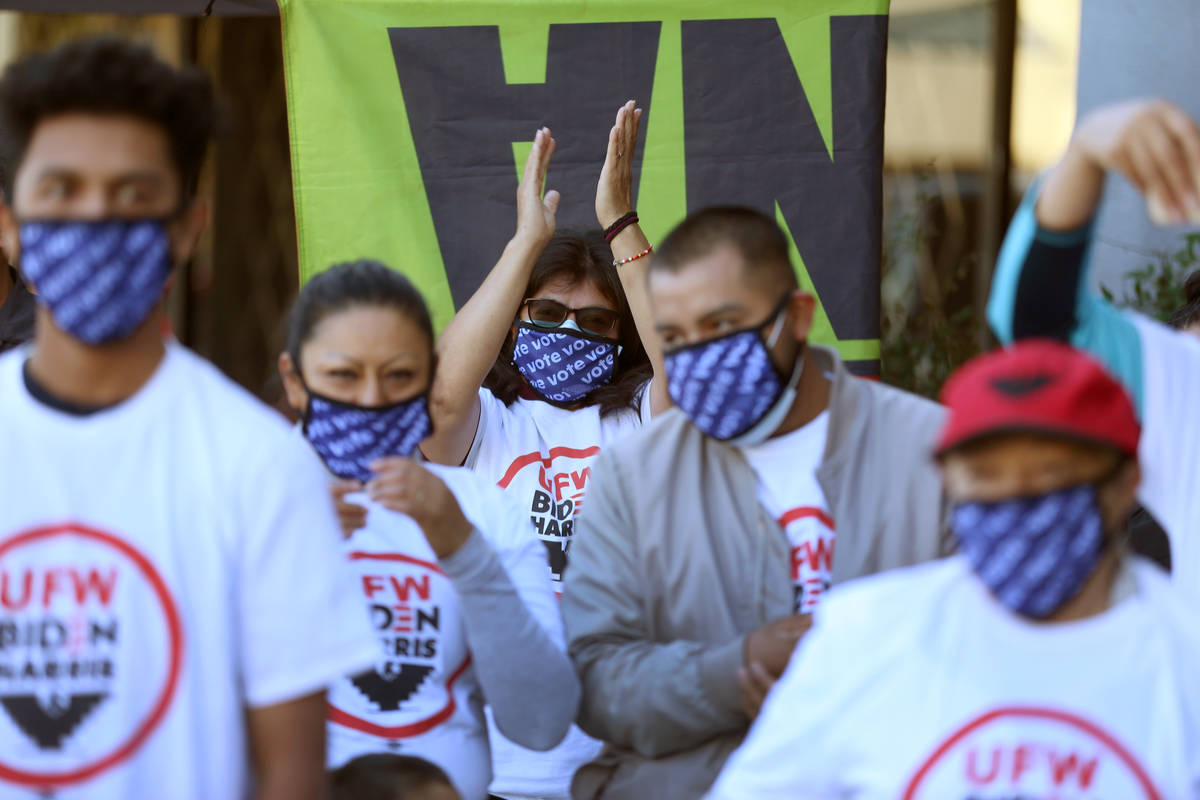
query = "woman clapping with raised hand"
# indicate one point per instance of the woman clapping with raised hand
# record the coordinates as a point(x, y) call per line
point(453, 581)
point(540, 370)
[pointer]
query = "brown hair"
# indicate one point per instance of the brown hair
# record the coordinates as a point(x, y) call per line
point(105, 75)
point(385, 776)
point(756, 237)
point(576, 258)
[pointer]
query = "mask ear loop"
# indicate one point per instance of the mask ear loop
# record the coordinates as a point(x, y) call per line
point(777, 328)
point(773, 339)
point(780, 316)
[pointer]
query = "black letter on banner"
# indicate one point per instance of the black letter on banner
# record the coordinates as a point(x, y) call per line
point(464, 119)
point(751, 139)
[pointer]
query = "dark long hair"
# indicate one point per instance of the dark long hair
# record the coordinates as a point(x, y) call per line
point(575, 258)
point(350, 285)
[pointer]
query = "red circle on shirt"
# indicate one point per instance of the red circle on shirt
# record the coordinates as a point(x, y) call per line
point(1087, 728)
point(348, 720)
point(165, 695)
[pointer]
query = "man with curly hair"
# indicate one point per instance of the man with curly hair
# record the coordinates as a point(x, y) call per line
point(172, 597)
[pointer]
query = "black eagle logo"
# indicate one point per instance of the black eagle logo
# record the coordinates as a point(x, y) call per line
point(48, 727)
point(557, 554)
point(389, 693)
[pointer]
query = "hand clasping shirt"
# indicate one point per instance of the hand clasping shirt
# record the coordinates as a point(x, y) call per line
point(542, 455)
point(918, 685)
point(786, 467)
point(423, 697)
point(164, 564)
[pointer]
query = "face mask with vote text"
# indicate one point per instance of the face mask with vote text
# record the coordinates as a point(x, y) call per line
point(348, 437)
point(99, 279)
point(564, 365)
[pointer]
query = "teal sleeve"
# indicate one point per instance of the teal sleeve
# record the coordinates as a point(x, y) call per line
point(1040, 289)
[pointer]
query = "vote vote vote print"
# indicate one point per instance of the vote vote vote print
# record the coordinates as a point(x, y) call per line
point(1030, 754)
point(555, 485)
point(91, 647)
point(424, 649)
point(563, 367)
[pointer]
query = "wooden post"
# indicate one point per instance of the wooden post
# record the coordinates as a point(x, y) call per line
point(999, 167)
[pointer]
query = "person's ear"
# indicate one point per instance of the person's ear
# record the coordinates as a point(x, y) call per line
point(10, 238)
point(802, 307)
point(293, 387)
point(187, 229)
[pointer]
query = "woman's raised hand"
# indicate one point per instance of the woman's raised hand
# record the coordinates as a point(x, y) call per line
point(535, 213)
point(614, 193)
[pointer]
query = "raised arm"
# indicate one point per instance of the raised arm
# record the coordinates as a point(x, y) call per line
point(471, 341)
point(1154, 144)
point(614, 197)
point(1040, 286)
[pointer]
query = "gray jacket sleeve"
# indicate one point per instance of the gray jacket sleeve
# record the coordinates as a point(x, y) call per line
point(525, 675)
point(654, 697)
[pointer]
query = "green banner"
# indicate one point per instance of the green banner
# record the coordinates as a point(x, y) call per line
point(410, 120)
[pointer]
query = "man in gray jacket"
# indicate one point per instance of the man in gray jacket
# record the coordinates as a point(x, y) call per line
point(708, 538)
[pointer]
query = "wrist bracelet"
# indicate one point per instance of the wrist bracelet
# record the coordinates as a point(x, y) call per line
point(623, 222)
point(620, 261)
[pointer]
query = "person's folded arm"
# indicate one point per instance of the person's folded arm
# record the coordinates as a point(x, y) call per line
point(652, 697)
point(526, 677)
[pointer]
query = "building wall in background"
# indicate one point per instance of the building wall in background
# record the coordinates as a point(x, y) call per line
point(1145, 49)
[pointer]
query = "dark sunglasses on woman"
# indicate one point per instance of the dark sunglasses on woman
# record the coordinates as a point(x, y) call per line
point(547, 313)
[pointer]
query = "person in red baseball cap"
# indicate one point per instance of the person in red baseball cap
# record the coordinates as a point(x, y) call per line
point(1042, 660)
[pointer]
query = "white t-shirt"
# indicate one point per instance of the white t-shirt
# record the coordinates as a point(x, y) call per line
point(542, 455)
point(164, 564)
point(786, 467)
point(917, 684)
point(422, 697)
point(1170, 437)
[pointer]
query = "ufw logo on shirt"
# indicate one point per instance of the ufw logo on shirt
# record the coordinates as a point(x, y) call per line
point(1031, 754)
point(810, 533)
point(90, 653)
point(408, 624)
point(556, 496)
point(409, 690)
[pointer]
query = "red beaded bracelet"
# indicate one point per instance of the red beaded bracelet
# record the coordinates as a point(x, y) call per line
point(620, 261)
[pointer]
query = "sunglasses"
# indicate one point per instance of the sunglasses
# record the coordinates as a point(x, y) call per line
point(547, 313)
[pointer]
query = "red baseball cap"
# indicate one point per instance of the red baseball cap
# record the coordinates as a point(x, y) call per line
point(1038, 386)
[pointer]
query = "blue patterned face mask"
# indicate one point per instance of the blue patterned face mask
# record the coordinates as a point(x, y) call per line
point(1033, 553)
point(730, 388)
point(564, 365)
point(349, 437)
point(100, 279)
